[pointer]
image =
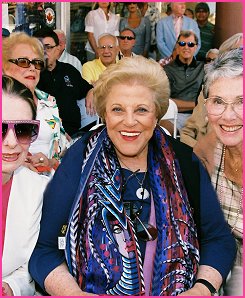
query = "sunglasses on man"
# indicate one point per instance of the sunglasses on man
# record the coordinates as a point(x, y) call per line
point(190, 44)
point(25, 131)
point(26, 63)
point(123, 37)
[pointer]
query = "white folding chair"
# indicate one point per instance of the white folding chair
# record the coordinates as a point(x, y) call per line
point(172, 114)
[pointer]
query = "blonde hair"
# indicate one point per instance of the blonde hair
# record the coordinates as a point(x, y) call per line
point(134, 71)
point(8, 44)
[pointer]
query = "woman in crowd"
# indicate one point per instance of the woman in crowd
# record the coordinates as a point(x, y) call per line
point(141, 26)
point(22, 189)
point(197, 125)
point(23, 59)
point(189, 13)
point(131, 190)
point(97, 22)
point(221, 149)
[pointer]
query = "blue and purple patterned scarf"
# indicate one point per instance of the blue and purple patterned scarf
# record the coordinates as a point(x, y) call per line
point(102, 247)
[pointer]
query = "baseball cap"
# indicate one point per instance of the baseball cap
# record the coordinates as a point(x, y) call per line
point(202, 6)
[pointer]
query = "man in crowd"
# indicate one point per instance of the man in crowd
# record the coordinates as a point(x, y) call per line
point(185, 76)
point(64, 55)
point(206, 29)
point(63, 81)
point(108, 50)
point(126, 41)
point(168, 29)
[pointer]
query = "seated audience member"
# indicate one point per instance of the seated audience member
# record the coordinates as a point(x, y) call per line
point(206, 29)
point(141, 27)
point(63, 81)
point(185, 75)
point(120, 216)
point(22, 189)
point(99, 21)
point(23, 59)
point(168, 29)
point(64, 56)
point(108, 50)
point(221, 149)
point(211, 55)
point(189, 13)
point(196, 126)
point(126, 41)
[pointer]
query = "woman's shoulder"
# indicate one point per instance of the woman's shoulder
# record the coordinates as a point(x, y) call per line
point(77, 146)
point(28, 187)
point(28, 176)
point(205, 148)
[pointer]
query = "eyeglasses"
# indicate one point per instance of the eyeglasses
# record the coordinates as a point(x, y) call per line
point(189, 43)
point(108, 47)
point(25, 63)
point(144, 231)
point(26, 131)
point(48, 47)
point(123, 37)
point(216, 105)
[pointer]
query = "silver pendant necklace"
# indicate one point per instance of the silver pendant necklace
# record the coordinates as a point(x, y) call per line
point(142, 193)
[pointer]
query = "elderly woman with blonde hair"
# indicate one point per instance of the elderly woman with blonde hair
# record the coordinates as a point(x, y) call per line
point(127, 192)
point(23, 59)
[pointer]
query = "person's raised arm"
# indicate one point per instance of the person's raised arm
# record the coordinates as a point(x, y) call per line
point(184, 105)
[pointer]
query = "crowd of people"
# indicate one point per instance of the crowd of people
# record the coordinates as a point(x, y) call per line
point(123, 208)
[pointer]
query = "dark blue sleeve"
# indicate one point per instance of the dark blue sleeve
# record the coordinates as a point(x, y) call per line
point(217, 245)
point(58, 198)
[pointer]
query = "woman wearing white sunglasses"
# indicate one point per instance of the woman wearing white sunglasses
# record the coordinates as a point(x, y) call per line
point(22, 189)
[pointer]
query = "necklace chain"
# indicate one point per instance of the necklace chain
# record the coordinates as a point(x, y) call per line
point(222, 190)
point(134, 174)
